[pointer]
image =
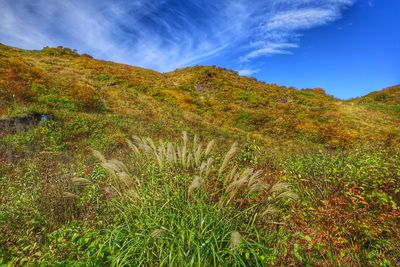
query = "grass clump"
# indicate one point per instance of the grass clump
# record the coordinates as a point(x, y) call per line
point(186, 213)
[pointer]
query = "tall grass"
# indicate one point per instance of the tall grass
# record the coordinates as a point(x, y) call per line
point(190, 208)
point(183, 154)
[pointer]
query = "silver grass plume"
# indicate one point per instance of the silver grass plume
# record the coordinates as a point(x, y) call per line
point(233, 174)
point(184, 148)
point(236, 239)
point(133, 147)
point(279, 186)
point(195, 141)
point(202, 167)
point(119, 165)
point(229, 155)
point(269, 210)
point(287, 195)
point(257, 188)
point(209, 147)
point(79, 181)
point(171, 155)
point(189, 161)
point(98, 155)
point(208, 166)
point(255, 177)
point(196, 183)
point(197, 154)
point(69, 195)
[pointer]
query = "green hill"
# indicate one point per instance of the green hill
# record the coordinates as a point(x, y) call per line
point(341, 159)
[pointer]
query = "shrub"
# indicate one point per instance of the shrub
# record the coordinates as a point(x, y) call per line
point(349, 201)
point(16, 79)
point(87, 98)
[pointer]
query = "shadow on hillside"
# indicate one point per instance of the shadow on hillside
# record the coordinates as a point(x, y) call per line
point(21, 123)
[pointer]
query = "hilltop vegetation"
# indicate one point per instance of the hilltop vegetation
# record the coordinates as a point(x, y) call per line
point(311, 180)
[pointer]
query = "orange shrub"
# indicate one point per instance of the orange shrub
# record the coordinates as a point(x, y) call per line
point(16, 79)
point(87, 98)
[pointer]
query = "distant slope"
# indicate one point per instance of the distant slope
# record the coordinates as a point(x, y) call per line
point(386, 100)
point(390, 96)
point(202, 98)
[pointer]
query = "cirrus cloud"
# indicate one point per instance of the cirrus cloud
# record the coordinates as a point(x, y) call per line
point(165, 34)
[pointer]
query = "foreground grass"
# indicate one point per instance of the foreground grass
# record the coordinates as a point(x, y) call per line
point(181, 204)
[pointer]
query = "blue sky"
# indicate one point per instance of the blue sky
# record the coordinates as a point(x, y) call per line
point(347, 47)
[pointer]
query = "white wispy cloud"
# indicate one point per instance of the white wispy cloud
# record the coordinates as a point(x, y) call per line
point(279, 30)
point(165, 34)
point(248, 72)
point(305, 18)
point(269, 49)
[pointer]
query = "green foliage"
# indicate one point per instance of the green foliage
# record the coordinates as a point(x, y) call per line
point(354, 198)
point(248, 154)
point(46, 136)
point(249, 97)
point(59, 51)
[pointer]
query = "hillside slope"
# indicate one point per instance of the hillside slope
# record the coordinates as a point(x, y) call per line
point(58, 79)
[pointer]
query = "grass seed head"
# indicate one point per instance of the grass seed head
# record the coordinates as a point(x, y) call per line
point(228, 156)
point(157, 233)
point(69, 195)
point(79, 181)
point(236, 239)
point(98, 155)
point(209, 147)
point(196, 183)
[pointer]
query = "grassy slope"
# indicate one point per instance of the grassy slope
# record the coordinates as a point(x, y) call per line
point(56, 79)
point(331, 151)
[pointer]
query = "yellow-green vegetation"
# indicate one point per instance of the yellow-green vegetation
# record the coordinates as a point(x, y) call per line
point(107, 164)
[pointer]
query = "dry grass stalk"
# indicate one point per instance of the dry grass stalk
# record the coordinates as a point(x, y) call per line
point(202, 167)
point(79, 181)
point(279, 186)
point(99, 156)
point(228, 156)
point(69, 195)
point(208, 166)
point(196, 183)
point(288, 195)
point(209, 147)
point(255, 177)
point(133, 147)
point(269, 210)
point(117, 170)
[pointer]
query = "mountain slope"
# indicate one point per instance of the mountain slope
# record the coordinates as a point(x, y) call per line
point(54, 79)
